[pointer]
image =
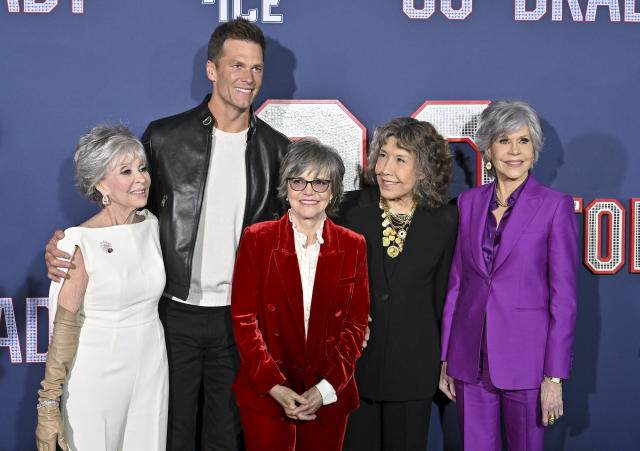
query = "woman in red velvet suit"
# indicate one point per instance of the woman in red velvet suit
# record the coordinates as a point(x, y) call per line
point(300, 302)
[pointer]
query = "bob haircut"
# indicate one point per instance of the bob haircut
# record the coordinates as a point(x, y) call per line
point(433, 160)
point(99, 151)
point(240, 29)
point(310, 153)
point(507, 116)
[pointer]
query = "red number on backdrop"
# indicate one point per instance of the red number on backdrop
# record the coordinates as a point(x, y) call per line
point(327, 120)
point(457, 121)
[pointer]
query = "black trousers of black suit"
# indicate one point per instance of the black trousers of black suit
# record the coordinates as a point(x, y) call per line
point(202, 356)
point(388, 426)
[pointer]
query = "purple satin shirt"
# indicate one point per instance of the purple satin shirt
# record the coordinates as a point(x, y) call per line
point(492, 234)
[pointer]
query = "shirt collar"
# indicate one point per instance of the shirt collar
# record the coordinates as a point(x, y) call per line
point(511, 201)
point(301, 238)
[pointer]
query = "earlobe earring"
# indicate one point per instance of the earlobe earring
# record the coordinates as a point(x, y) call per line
point(488, 166)
point(105, 200)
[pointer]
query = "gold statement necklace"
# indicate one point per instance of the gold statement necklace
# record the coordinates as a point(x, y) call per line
point(394, 229)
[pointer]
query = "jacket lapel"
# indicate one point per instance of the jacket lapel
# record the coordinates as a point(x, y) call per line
point(478, 219)
point(328, 272)
point(523, 212)
point(371, 227)
point(289, 273)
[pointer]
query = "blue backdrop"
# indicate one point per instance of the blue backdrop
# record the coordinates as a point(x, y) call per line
point(94, 61)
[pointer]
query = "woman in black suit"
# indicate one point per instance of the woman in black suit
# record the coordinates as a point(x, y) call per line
point(410, 231)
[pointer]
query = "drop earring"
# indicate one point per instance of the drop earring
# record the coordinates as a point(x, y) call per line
point(105, 200)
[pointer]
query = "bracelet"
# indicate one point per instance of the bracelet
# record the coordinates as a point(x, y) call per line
point(48, 402)
point(555, 380)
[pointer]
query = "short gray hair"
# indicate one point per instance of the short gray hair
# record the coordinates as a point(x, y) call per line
point(508, 116)
point(310, 153)
point(98, 152)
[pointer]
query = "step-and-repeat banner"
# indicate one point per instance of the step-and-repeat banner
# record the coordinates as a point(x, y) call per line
point(335, 70)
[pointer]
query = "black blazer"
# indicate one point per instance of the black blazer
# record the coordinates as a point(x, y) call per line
point(402, 359)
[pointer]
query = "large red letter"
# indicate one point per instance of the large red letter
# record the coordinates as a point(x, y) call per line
point(77, 6)
point(634, 236)
point(33, 6)
point(34, 305)
point(614, 258)
point(13, 6)
point(592, 8)
point(574, 8)
point(11, 341)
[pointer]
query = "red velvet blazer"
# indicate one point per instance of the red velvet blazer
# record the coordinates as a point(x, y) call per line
point(268, 318)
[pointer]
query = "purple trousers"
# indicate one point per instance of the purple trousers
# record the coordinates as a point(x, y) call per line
point(479, 407)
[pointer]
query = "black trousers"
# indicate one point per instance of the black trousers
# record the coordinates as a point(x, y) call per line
point(388, 426)
point(202, 356)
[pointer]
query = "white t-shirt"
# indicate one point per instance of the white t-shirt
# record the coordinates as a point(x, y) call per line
point(221, 217)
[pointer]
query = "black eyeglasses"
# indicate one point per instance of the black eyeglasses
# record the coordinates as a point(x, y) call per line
point(300, 184)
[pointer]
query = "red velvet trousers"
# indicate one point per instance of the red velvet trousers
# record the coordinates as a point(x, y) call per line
point(262, 432)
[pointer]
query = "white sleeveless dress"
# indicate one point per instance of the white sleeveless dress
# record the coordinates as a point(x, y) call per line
point(116, 394)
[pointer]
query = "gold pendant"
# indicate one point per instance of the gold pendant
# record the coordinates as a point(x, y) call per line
point(385, 241)
point(393, 251)
point(385, 223)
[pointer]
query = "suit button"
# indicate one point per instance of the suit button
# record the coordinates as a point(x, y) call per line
point(276, 334)
point(271, 307)
point(330, 339)
point(338, 313)
point(384, 297)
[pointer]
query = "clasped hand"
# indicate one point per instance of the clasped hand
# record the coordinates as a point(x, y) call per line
point(297, 407)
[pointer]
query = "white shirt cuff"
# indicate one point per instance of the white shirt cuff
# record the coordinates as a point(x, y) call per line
point(329, 395)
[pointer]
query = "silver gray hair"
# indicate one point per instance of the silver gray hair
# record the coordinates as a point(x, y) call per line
point(310, 154)
point(508, 116)
point(99, 151)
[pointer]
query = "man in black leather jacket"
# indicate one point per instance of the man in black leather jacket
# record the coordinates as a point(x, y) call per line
point(180, 150)
point(186, 181)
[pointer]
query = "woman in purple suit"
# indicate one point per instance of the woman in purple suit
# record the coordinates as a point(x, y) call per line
point(509, 315)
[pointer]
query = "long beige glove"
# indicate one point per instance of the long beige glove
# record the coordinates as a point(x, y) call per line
point(62, 350)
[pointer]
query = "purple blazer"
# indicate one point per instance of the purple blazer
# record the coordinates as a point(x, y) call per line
point(529, 299)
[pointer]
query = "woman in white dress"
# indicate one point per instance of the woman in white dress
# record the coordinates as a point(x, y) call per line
point(106, 378)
